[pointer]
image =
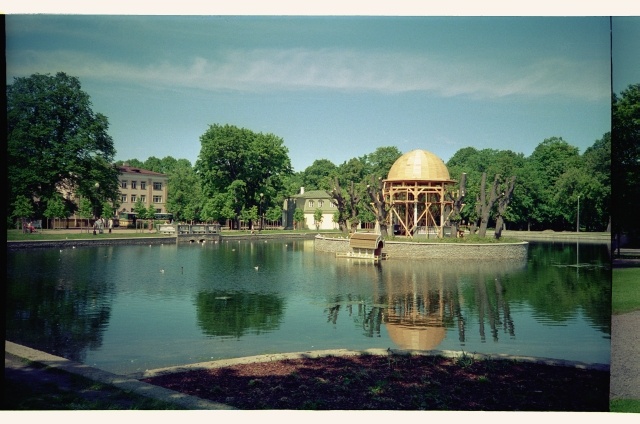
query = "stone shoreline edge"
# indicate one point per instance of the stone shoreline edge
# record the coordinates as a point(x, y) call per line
point(155, 240)
point(422, 250)
point(133, 384)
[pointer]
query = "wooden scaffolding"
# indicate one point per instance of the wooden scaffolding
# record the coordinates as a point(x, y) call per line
point(415, 191)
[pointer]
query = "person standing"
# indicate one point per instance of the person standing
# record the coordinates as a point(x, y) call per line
point(110, 225)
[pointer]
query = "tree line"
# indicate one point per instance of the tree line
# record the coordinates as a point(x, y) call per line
point(224, 185)
point(57, 143)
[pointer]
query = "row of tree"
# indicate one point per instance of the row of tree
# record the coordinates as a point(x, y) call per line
point(546, 186)
point(57, 144)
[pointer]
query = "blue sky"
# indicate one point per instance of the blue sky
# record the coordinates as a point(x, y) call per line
point(333, 87)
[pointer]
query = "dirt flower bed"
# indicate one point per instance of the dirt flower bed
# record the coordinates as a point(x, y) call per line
point(371, 382)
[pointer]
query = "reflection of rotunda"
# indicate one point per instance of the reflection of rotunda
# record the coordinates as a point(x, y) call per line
point(416, 337)
point(415, 191)
point(415, 320)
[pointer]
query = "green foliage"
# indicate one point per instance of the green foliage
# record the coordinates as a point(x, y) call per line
point(249, 214)
point(55, 140)
point(140, 209)
point(274, 213)
point(22, 207)
point(298, 216)
point(85, 208)
point(380, 161)
point(625, 296)
point(547, 184)
point(318, 175)
point(625, 175)
point(625, 405)
point(108, 209)
point(55, 207)
point(239, 313)
point(184, 199)
point(317, 217)
point(239, 164)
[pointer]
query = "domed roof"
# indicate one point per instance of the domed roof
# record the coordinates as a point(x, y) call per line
point(419, 165)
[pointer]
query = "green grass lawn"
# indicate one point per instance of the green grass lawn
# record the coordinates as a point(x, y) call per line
point(625, 405)
point(625, 290)
point(18, 235)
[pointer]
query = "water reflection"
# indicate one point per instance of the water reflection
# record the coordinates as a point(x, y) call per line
point(233, 314)
point(417, 302)
point(59, 304)
point(111, 306)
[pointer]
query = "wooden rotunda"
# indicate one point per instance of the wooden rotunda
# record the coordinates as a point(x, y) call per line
point(415, 191)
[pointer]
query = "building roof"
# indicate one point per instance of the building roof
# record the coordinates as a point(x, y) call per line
point(365, 241)
point(419, 165)
point(314, 194)
point(135, 170)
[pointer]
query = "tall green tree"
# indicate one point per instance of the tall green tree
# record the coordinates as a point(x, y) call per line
point(318, 175)
point(474, 163)
point(380, 161)
point(55, 141)
point(240, 164)
point(597, 162)
point(185, 200)
point(625, 157)
point(55, 208)
point(317, 218)
point(22, 210)
point(298, 218)
point(85, 210)
point(549, 160)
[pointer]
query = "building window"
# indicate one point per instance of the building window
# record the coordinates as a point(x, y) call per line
point(157, 199)
point(310, 203)
point(133, 197)
point(143, 185)
point(123, 199)
point(157, 186)
point(143, 198)
point(123, 184)
point(320, 203)
point(134, 184)
point(332, 205)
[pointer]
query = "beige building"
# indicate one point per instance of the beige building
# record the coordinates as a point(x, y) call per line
point(308, 202)
point(138, 184)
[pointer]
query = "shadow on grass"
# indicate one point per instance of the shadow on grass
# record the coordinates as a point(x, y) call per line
point(371, 382)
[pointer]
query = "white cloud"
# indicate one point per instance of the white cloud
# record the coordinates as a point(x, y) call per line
point(327, 69)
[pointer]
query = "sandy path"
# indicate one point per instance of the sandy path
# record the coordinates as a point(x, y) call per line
point(625, 356)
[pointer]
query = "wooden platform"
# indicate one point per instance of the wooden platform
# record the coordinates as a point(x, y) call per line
point(361, 256)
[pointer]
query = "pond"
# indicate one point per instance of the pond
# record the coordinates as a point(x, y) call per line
point(127, 309)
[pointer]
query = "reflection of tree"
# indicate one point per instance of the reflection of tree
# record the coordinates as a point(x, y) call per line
point(63, 311)
point(373, 317)
point(557, 292)
point(418, 302)
point(235, 313)
point(492, 309)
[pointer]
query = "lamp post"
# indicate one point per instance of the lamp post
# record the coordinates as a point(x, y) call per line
point(578, 216)
point(97, 186)
point(261, 218)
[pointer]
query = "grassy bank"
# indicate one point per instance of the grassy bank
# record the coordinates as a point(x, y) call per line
point(18, 235)
point(45, 235)
point(35, 387)
point(625, 294)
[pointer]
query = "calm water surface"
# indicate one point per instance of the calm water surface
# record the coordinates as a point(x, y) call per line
point(126, 309)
